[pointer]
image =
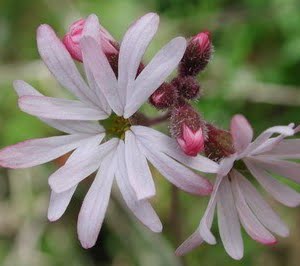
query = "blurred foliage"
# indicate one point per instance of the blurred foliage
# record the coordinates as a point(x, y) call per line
point(255, 71)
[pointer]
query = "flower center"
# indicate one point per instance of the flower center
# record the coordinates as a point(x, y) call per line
point(115, 126)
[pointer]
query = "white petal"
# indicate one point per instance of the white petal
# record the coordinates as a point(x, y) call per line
point(141, 208)
point(176, 173)
point(60, 63)
point(262, 209)
point(154, 74)
point(95, 203)
point(72, 173)
point(72, 127)
point(60, 201)
point(228, 222)
point(132, 49)
point(286, 149)
point(56, 108)
point(188, 245)
point(92, 28)
point(139, 173)
point(241, 132)
point(249, 221)
point(38, 151)
point(286, 169)
point(280, 192)
point(101, 72)
point(151, 137)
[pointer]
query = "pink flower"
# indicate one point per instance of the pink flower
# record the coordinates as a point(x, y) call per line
point(72, 40)
point(238, 201)
point(191, 142)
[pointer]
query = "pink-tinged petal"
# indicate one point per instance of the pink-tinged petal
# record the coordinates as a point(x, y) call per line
point(264, 136)
point(139, 173)
point(228, 221)
point(226, 165)
point(241, 132)
point(61, 65)
point(290, 170)
point(207, 219)
point(286, 149)
point(72, 127)
point(60, 201)
point(95, 203)
point(38, 151)
point(142, 209)
point(249, 221)
point(176, 173)
point(55, 108)
point(154, 74)
point(132, 49)
point(153, 138)
point(102, 73)
point(261, 208)
point(188, 245)
point(72, 173)
point(280, 192)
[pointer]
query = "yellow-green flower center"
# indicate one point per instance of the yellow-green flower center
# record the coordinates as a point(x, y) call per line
point(116, 126)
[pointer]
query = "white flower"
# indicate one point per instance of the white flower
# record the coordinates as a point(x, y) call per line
point(124, 158)
point(238, 201)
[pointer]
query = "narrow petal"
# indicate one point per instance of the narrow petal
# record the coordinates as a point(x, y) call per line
point(38, 151)
point(154, 74)
point(72, 173)
point(60, 201)
point(139, 173)
point(228, 222)
point(101, 72)
point(56, 108)
point(60, 63)
point(241, 132)
point(151, 137)
point(176, 173)
point(261, 208)
point(286, 149)
point(142, 209)
point(280, 192)
point(188, 245)
point(95, 203)
point(68, 126)
point(132, 49)
point(249, 221)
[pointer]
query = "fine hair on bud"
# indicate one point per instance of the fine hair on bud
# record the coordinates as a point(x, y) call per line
point(197, 55)
point(187, 87)
point(164, 97)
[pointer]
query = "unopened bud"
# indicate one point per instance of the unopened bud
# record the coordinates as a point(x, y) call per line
point(72, 38)
point(164, 97)
point(188, 129)
point(197, 55)
point(187, 87)
point(218, 143)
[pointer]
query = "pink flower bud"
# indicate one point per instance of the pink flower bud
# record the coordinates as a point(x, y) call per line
point(72, 38)
point(188, 129)
point(164, 97)
point(191, 142)
point(197, 54)
point(187, 87)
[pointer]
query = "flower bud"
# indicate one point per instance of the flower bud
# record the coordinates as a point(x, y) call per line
point(197, 55)
point(187, 87)
point(164, 97)
point(72, 38)
point(188, 129)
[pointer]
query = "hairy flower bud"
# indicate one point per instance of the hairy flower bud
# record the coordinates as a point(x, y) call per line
point(197, 55)
point(188, 129)
point(72, 38)
point(218, 143)
point(164, 97)
point(187, 87)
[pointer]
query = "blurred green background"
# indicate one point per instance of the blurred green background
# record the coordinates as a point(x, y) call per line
point(255, 71)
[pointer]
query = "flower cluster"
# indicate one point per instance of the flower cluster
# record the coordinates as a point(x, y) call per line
point(109, 136)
